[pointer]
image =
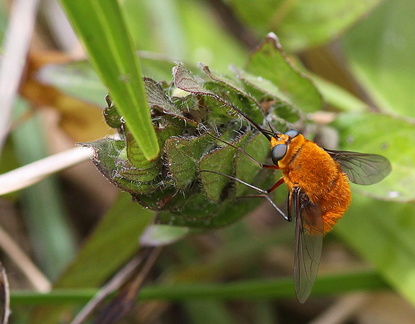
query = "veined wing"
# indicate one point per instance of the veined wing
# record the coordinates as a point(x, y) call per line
point(308, 242)
point(361, 168)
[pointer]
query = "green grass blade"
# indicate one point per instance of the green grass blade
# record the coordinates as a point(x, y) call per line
point(253, 289)
point(101, 26)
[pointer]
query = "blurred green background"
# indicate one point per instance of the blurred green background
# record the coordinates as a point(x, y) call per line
point(79, 230)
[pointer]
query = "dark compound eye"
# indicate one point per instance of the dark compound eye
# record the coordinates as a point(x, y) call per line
point(292, 133)
point(278, 152)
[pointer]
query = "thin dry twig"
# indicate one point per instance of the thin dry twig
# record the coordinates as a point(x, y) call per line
point(122, 304)
point(4, 296)
point(119, 280)
point(34, 172)
point(23, 262)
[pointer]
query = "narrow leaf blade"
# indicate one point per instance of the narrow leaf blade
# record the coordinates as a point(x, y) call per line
point(111, 52)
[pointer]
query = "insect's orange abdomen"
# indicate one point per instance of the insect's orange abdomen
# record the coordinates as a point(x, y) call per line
point(308, 166)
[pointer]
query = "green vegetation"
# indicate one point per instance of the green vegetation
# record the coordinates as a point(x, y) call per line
point(342, 74)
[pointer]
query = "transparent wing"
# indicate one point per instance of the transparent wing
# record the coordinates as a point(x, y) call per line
point(363, 169)
point(308, 242)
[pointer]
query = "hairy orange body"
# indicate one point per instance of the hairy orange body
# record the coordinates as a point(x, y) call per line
point(308, 166)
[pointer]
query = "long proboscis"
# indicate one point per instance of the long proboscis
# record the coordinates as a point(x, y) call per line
point(263, 131)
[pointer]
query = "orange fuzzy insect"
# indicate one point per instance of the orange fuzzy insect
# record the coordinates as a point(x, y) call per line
point(319, 192)
point(307, 166)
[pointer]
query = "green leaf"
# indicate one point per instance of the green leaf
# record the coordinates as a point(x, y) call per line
point(302, 24)
point(234, 92)
point(284, 108)
point(184, 80)
point(158, 234)
point(383, 233)
point(124, 164)
point(137, 167)
point(380, 51)
point(76, 79)
point(220, 160)
point(176, 32)
point(270, 62)
point(377, 133)
point(339, 97)
point(223, 92)
point(157, 98)
point(264, 85)
point(111, 52)
point(110, 157)
point(183, 157)
point(156, 67)
point(245, 169)
point(203, 38)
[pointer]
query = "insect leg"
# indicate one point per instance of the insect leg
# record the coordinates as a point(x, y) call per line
point(276, 185)
point(288, 219)
point(242, 151)
point(264, 192)
point(239, 180)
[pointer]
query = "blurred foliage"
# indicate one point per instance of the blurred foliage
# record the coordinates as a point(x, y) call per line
point(379, 51)
point(363, 46)
point(43, 207)
point(302, 24)
point(80, 116)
